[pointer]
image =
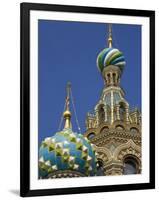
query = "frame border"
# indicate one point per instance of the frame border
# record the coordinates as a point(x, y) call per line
point(25, 9)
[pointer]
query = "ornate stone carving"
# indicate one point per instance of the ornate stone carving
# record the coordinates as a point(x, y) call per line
point(129, 148)
point(103, 154)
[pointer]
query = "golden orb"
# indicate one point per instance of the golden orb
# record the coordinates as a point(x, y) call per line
point(66, 114)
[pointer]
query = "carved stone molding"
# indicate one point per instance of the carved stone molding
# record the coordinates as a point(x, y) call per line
point(103, 154)
point(116, 136)
point(129, 148)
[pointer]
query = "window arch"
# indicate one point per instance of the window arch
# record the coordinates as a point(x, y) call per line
point(91, 136)
point(119, 127)
point(104, 129)
point(133, 130)
point(100, 168)
point(130, 166)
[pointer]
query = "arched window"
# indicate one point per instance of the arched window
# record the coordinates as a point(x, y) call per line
point(122, 111)
point(130, 166)
point(119, 127)
point(100, 169)
point(101, 114)
point(114, 78)
point(91, 136)
point(133, 130)
point(105, 129)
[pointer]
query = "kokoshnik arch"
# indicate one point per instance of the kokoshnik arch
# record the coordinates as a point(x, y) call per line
point(111, 144)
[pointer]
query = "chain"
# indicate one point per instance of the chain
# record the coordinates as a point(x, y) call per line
point(61, 120)
point(114, 39)
point(75, 113)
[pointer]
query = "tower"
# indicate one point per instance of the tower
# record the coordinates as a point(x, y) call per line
point(114, 128)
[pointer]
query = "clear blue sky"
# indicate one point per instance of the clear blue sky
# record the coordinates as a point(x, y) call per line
point(68, 52)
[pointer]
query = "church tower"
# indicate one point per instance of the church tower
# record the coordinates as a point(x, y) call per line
point(114, 127)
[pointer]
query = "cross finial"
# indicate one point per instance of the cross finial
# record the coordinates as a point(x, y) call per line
point(68, 95)
point(110, 40)
point(67, 113)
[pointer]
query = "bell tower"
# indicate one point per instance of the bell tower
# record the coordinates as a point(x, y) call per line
point(113, 127)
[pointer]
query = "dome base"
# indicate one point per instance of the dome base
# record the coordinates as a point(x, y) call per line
point(65, 174)
point(111, 75)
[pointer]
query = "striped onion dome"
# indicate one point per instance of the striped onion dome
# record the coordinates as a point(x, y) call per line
point(110, 56)
point(65, 151)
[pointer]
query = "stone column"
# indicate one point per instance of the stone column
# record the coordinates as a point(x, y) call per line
point(106, 114)
point(118, 112)
point(97, 116)
point(111, 79)
point(127, 114)
point(112, 108)
point(113, 168)
point(106, 79)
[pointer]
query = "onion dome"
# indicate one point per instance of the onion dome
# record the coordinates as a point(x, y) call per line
point(110, 56)
point(66, 150)
point(66, 153)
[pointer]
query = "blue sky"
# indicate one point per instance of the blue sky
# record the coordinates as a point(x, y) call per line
point(68, 52)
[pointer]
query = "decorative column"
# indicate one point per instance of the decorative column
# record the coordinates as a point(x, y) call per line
point(112, 108)
point(106, 114)
point(113, 168)
point(116, 78)
point(118, 112)
point(97, 116)
point(127, 114)
point(139, 119)
point(111, 78)
point(106, 79)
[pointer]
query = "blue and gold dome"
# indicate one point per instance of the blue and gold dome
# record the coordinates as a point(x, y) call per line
point(67, 152)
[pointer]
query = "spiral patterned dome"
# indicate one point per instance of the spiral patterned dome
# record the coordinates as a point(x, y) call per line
point(110, 56)
point(66, 150)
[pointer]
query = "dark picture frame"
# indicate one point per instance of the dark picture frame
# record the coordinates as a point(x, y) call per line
point(25, 9)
